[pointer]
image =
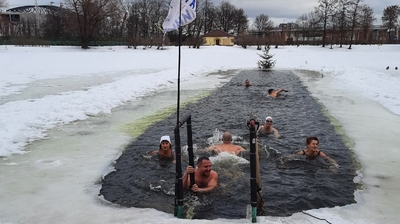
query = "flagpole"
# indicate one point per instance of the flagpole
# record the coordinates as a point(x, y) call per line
point(175, 21)
point(179, 190)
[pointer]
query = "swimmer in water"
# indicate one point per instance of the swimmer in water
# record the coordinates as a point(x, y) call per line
point(226, 145)
point(274, 93)
point(267, 128)
point(312, 150)
point(205, 178)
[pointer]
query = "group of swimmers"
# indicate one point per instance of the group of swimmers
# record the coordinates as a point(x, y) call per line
point(206, 179)
point(312, 142)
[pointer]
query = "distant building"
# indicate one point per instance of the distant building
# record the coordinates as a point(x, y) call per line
point(25, 20)
point(218, 37)
point(9, 23)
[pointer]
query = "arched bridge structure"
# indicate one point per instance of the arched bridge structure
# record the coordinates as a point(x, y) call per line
point(11, 20)
point(40, 9)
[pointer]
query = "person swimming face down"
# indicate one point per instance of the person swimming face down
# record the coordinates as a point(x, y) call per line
point(226, 145)
point(274, 93)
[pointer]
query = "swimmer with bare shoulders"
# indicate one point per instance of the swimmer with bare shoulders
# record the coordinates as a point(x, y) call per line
point(226, 145)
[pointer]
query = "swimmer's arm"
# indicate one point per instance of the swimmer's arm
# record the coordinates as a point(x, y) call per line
point(185, 177)
point(211, 184)
point(323, 155)
point(259, 128)
point(276, 133)
point(174, 161)
point(291, 156)
point(211, 148)
point(281, 90)
point(301, 152)
point(185, 180)
point(239, 150)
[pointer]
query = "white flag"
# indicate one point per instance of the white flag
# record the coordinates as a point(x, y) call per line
point(188, 14)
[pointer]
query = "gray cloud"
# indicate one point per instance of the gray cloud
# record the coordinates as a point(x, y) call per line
point(290, 10)
point(278, 11)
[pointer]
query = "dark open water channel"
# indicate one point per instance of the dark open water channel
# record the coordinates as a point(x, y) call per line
point(289, 185)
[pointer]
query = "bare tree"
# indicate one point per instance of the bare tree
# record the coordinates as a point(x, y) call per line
point(333, 23)
point(225, 16)
point(144, 22)
point(211, 13)
point(55, 27)
point(354, 15)
point(366, 19)
point(303, 24)
point(325, 9)
point(3, 4)
point(240, 22)
point(89, 13)
point(199, 25)
point(113, 27)
point(261, 26)
point(342, 19)
point(245, 39)
point(133, 24)
point(315, 20)
point(390, 18)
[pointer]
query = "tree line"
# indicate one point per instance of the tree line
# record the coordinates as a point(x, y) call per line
point(138, 22)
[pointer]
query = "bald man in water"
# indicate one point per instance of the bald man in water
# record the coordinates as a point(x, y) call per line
point(226, 145)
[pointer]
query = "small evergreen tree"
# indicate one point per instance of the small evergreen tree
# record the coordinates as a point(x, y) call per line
point(266, 61)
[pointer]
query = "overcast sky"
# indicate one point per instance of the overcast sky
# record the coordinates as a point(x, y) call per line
point(281, 11)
